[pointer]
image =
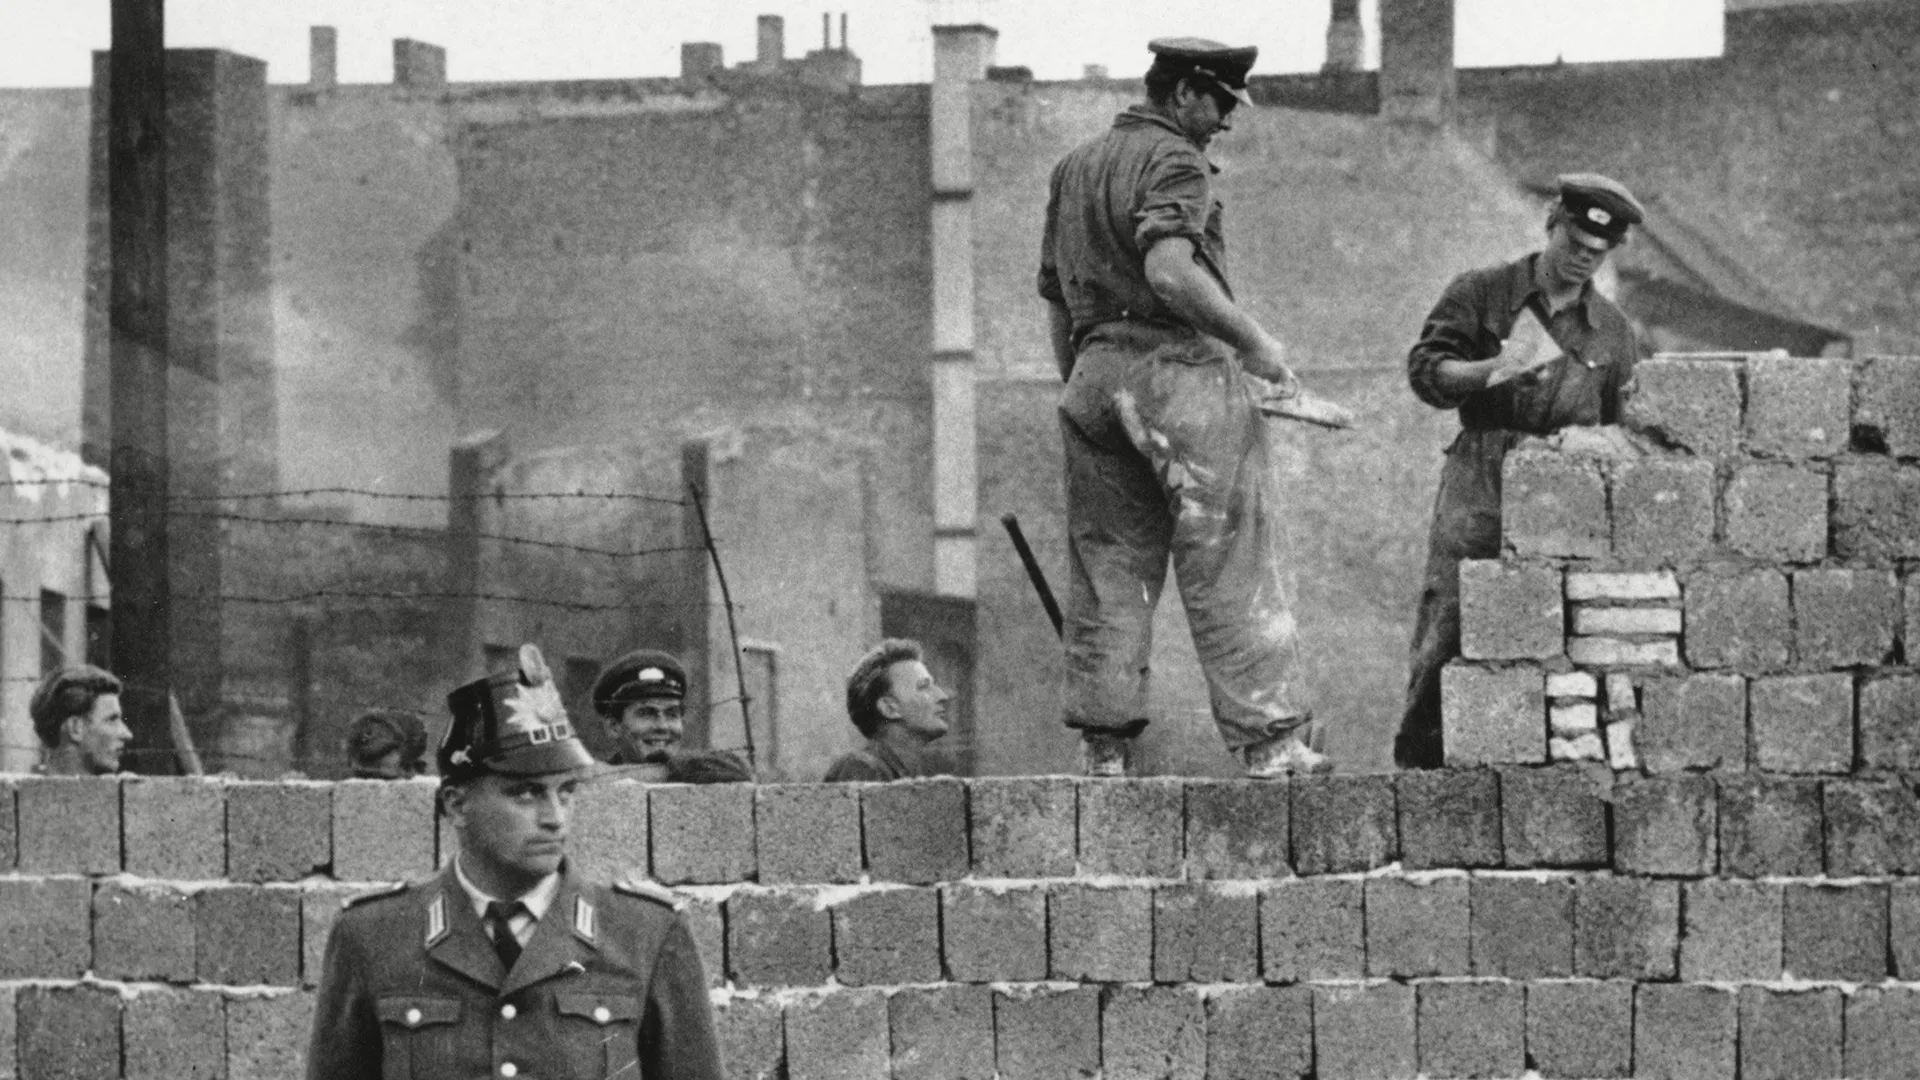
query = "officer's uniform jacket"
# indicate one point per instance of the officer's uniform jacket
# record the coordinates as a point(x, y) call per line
point(609, 985)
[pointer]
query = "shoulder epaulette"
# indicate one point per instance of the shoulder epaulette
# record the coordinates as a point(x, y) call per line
point(648, 890)
point(389, 890)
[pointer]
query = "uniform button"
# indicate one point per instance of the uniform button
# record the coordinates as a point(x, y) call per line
point(508, 1012)
point(601, 1015)
point(508, 1068)
point(413, 1017)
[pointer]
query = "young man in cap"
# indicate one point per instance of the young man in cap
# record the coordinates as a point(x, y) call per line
point(1167, 454)
point(506, 964)
point(386, 744)
point(76, 712)
point(641, 698)
point(898, 707)
point(1522, 349)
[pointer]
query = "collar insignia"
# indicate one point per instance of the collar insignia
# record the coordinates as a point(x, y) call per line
point(436, 920)
point(583, 918)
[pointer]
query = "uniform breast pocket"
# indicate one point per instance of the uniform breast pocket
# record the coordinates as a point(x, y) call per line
point(599, 1030)
point(416, 1033)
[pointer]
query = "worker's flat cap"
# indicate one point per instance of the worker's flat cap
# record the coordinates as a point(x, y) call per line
point(1224, 65)
point(1599, 205)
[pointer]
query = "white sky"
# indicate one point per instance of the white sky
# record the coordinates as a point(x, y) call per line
point(47, 43)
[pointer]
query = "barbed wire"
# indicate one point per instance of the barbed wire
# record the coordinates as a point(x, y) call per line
point(367, 493)
point(313, 595)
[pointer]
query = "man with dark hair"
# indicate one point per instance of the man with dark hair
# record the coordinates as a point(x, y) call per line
point(76, 713)
point(386, 744)
point(1167, 449)
point(641, 699)
point(506, 964)
point(896, 705)
point(1527, 348)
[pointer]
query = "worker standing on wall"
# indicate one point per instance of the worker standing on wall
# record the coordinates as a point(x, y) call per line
point(1527, 348)
point(1167, 452)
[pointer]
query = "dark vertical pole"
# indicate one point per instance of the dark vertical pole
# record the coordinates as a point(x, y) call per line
point(137, 322)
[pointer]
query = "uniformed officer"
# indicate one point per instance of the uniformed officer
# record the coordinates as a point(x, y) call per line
point(641, 698)
point(1525, 348)
point(506, 964)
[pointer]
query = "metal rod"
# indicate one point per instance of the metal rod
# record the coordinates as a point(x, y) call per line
point(1034, 573)
point(733, 629)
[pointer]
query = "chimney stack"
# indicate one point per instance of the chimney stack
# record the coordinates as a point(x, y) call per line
point(843, 31)
point(772, 42)
point(700, 58)
point(1416, 61)
point(418, 65)
point(323, 58)
point(1346, 41)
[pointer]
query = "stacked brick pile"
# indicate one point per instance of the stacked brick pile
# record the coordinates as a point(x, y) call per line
point(1469, 922)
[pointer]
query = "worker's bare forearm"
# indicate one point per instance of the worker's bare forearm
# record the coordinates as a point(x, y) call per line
point(1186, 287)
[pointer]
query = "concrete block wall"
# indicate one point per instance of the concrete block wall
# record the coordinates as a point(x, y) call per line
point(1740, 594)
point(1480, 922)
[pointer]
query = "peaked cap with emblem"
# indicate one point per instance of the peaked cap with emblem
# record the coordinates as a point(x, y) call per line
point(637, 676)
point(511, 722)
point(1225, 66)
point(1599, 205)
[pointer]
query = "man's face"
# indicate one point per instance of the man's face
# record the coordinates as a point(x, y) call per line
point(1202, 112)
point(651, 728)
point(101, 734)
point(1572, 256)
point(514, 826)
point(918, 703)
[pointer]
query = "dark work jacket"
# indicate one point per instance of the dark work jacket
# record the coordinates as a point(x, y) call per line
point(876, 762)
point(610, 984)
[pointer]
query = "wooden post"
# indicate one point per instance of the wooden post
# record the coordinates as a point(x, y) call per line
point(137, 322)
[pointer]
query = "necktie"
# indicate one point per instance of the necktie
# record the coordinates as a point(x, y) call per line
point(504, 943)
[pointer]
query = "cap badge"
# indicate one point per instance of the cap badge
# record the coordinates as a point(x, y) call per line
point(1599, 216)
point(533, 709)
point(652, 674)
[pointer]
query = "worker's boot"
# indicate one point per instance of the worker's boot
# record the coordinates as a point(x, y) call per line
point(1284, 755)
point(1105, 753)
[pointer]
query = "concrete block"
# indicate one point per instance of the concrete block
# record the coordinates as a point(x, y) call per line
point(246, 935)
point(752, 1035)
point(1789, 1034)
point(267, 1036)
point(173, 1034)
point(1665, 826)
point(1624, 585)
point(1731, 931)
point(1580, 1029)
point(1886, 413)
point(142, 932)
point(1770, 826)
point(1024, 826)
point(1417, 928)
point(1903, 930)
point(1553, 506)
point(1691, 405)
point(702, 833)
point(1890, 720)
point(842, 1034)
point(1449, 818)
point(383, 829)
point(1472, 1028)
point(1604, 621)
point(1777, 513)
point(1204, 933)
point(68, 1032)
point(1693, 722)
point(1133, 828)
point(942, 1033)
point(1522, 928)
point(1625, 928)
point(1845, 617)
point(69, 825)
point(1876, 512)
point(807, 832)
point(1100, 934)
point(1237, 829)
point(1260, 1033)
point(1740, 620)
point(1623, 652)
point(1883, 1032)
point(887, 936)
point(1555, 816)
point(1802, 723)
point(9, 1033)
point(609, 837)
point(1684, 1031)
point(175, 827)
point(1662, 509)
point(278, 831)
point(1798, 407)
point(1586, 747)
point(1153, 1033)
point(1492, 716)
point(1572, 684)
point(778, 937)
point(1622, 757)
point(1623, 696)
point(1573, 721)
point(1873, 828)
point(44, 931)
point(9, 826)
point(915, 831)
point(1510, 610)
point(1046, 1033)
point(1364, 1032)
point(1342, 824)
point(994, 935)
point(1312, 929)
point(1835, 931)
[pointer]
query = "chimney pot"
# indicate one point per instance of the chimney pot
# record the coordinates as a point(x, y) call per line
point(700, 58)
point(418, 65)
point(323, 57)
point(772, 41)
point(1416, 60)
